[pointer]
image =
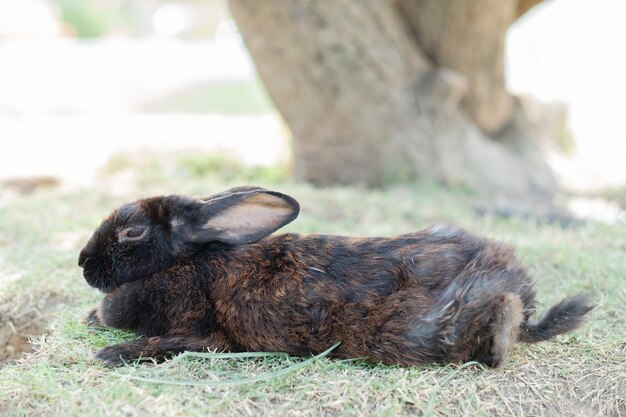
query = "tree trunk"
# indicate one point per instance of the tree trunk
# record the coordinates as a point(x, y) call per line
point(380, 89)
point(468, 37)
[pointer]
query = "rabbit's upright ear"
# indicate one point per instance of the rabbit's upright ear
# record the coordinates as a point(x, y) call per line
point(238, 216)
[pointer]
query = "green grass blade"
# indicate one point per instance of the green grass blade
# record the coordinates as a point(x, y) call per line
point(262, 377)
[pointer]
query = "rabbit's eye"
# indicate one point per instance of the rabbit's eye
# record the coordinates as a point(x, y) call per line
point(132, 234)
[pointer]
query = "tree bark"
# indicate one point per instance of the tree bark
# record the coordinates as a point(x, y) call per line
point(525, 5)
point(381, 89)
point(468, 37)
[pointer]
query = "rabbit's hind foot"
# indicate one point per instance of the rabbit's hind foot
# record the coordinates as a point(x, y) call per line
point(508, 319)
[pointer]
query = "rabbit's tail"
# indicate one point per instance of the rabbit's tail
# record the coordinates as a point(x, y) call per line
point(563, 317)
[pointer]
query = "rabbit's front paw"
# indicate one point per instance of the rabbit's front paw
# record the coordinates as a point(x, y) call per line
point(119, 354)
point(93, 319)
point(113, 355)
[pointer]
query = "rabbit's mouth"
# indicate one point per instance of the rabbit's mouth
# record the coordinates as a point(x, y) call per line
point(97, 275)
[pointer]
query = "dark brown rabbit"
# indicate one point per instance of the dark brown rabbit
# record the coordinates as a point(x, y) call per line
point(204, 274)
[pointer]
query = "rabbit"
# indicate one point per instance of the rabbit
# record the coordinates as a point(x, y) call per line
point(192, 274)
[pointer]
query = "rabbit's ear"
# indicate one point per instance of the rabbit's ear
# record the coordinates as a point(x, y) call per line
point(238, 216)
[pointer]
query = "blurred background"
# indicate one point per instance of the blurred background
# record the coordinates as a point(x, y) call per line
point(83, 82)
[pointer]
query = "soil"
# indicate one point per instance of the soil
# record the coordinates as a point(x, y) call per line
point(22, 320)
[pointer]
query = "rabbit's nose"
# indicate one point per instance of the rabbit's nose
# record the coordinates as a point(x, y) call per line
point(82, 258)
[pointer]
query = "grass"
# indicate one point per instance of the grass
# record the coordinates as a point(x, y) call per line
point(583, 373)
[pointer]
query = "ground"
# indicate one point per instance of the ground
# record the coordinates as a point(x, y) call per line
point(44, 295)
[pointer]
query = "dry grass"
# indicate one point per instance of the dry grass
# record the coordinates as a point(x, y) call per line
point(579, 374)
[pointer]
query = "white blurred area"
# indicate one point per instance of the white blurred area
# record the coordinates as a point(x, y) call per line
point(67, 104)
point(28, 18)
point(573, 51)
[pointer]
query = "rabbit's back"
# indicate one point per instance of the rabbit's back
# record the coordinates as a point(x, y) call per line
point(362, 269)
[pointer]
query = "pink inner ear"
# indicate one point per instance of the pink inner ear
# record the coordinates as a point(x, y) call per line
point(257, 213)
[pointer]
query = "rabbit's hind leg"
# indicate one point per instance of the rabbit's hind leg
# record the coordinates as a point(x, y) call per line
point(408, 329)
point(505, 327)
point(472, 320)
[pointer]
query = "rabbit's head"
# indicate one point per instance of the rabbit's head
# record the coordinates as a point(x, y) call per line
point(153, 234)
